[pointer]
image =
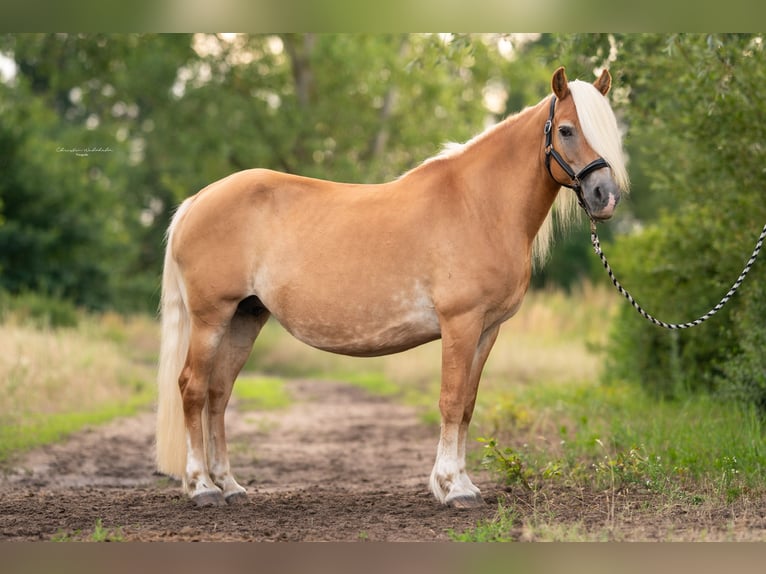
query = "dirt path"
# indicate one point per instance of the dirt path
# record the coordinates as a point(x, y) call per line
point(338, 464)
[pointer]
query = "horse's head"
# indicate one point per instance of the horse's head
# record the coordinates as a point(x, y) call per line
point(581, 135)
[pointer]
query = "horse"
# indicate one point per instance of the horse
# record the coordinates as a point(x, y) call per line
point(443, 252)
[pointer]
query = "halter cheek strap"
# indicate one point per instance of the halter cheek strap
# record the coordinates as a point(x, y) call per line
point(576, 178)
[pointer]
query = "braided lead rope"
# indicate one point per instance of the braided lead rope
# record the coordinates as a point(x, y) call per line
point(597, 247)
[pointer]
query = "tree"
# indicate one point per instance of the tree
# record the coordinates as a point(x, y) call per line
point(695, 126)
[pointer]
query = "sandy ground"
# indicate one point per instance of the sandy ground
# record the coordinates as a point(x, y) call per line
point(339, 464)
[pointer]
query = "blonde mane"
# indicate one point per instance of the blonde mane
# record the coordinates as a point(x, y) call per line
point(600, 129)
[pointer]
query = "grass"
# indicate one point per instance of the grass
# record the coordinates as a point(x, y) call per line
point(622, 434)
point(99, 534)
point(261, 393)
point(552, 428)
point(36, 429)
point(619, 457)
point(55, 381)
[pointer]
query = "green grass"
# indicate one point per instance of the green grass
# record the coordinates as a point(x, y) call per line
point(376, 383)
point(261, 393)
point(38, 429)
point(99, 534)
point(497, 529)
point(609, 437)
point(55, 381)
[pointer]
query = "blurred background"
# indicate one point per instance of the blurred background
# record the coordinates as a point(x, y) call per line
point(102, 135)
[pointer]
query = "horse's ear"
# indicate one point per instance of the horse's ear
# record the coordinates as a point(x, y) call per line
point(559, 84)
point(604, 82)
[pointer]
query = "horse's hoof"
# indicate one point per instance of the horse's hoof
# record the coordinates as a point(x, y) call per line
point(236, 498)
point(466, 501)
point(212, 498)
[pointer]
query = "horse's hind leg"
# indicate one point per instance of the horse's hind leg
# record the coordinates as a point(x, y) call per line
point(233, 352)
point(194, 384)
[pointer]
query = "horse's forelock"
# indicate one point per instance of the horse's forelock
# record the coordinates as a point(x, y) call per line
point(599, 126)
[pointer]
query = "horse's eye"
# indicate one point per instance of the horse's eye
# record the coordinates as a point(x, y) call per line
point(566, 131)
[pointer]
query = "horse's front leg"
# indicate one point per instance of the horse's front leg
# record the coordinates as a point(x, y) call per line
point(464, 351)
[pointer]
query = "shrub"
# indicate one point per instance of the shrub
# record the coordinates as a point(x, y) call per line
point(38, 310)
point(744, 373)
point(678, 270)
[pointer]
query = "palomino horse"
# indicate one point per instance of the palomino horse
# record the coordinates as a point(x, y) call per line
point(445, 251)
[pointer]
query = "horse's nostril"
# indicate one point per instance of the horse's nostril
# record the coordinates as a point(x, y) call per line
point(597, 193)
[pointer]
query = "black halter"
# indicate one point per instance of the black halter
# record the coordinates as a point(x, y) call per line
point(576, 178)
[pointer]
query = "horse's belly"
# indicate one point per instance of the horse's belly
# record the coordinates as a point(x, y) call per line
point(363, 331)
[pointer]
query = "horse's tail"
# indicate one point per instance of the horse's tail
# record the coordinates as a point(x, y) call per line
point(176, 330)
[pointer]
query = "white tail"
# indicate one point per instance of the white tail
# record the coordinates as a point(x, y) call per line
point(176, 328)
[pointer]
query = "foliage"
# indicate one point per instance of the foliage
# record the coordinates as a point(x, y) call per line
point(695, 126)
point(504, 462)
point(37, 310)
point(615, 437)
point(100, 534)
point(743, 375)
point(497, 529)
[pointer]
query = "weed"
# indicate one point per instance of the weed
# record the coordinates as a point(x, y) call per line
point(497, 529)
point(99, 534)
point(504, 462)
point(63, 536)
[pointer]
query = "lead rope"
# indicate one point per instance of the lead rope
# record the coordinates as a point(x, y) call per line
point(597, 247)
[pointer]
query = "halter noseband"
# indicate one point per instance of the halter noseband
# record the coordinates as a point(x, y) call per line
point(576, 178)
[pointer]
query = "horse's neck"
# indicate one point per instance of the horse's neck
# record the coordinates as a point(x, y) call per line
point(504, 171)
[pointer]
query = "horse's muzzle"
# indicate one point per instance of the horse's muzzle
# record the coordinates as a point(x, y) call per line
point(601, 195)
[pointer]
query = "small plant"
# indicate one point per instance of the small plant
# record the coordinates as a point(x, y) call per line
point(498, 529)
point(64, 536)
point(504, 462)
point(99, 534)
point(728, 484)
point(633, 466)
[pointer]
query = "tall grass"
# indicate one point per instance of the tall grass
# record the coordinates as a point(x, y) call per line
point(56, 380)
